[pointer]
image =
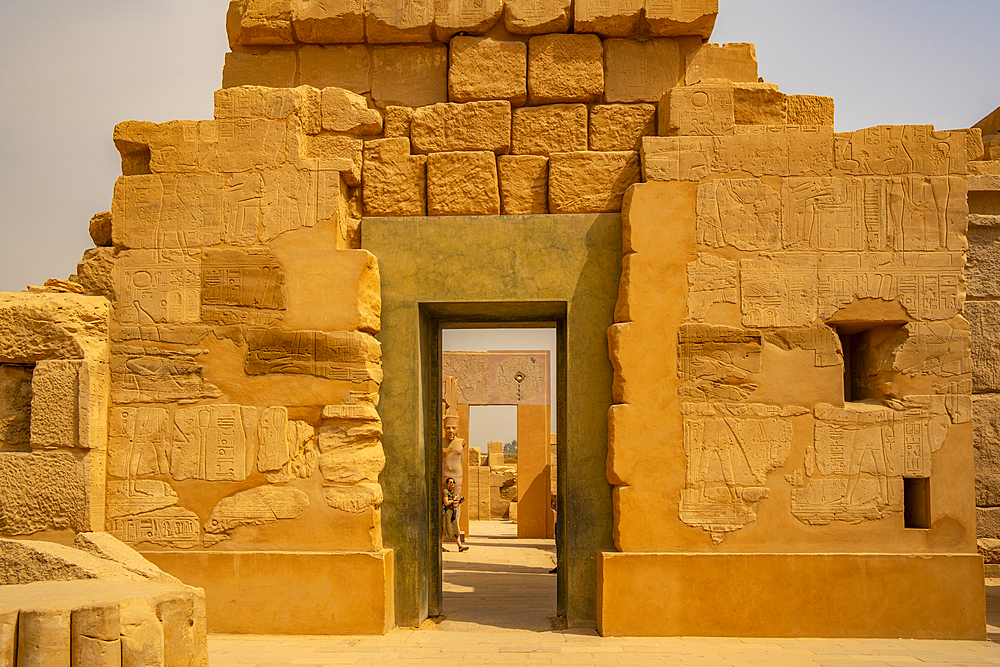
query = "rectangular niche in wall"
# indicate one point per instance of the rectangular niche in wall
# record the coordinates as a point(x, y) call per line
point(15, 407)
point(917, 502)
point(867, 349)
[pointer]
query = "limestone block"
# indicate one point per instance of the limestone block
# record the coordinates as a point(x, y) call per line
point(779, 291)
point(93, 272)
point(984, 167)
point(347, 67)
point(619, 18)
point(95, 633)
point(409, 76)
point(989, 549)
point(711, 280)
point(347, 356)
point(236, 280)
point(984, 324)
point(263, 103)
point(256, 507)
point(475, 458)
point(984, 262)
point(30, 561)
point(328, 22)
point(759, 104)
point(669, 18)
point(275, 69)
point(483, 68)
point(43, 638)
point(590, 182)
point(462, 183)
point(621, 127)
point(986, 440)
point(676, 158)
point(351, 465)
point(152, 375)
point(495, 447)
point(353, 498)
point(553, 128)
point(344, 111)
point(260, 206)
point(100, 229)
point(157, 286)
point(174, 527)
point(104, 545)
point(988, 522)
point(181, 640)
point(717, 363)
point(397, 122)
point(64, 326)
point(394, 180)
point(724, 220)
point(640, 70)
point(55, 404)
point(142, 635)
point(732, 62)
point(392, 21)
point(888, 150)
point(469, 17)
point(524, 184)
point(565, 68)
point(15, 407)
point(231, 430)
point(300, 463)
point(264, 22)
point(31, 502)
point(494, 460)
point(168, 211)
point(791, 150)
point(535, 17)
point(8, 637)
point(473, 126)
point(810, 110)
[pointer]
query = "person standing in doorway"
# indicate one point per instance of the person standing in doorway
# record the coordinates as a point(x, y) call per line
point(449, 518)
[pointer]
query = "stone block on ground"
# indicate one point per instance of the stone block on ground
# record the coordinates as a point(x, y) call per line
point(621, 127)
point(640, 70)
point(394, 181)
point(590, 182)
point(551, 128)
point(462, 183)
point(274, 69)
point(483, 68)
point(392, 22)
point(328, 21)
point(409, 76)
point(672, 18)
point(468, 18)
point(347, 67)
point(524, 184)
point(565, 68)
point(30, 561)
point(536, 17)
point(732, 62)
point(105, 545)
point(473, 126)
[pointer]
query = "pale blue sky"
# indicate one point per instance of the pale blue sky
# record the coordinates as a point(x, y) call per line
point(70, 70)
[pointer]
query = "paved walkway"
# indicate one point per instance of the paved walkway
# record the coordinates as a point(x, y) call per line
point(499, 603)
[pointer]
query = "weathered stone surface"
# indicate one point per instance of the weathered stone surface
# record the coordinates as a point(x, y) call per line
point(889, 150)
point(15, 407)
point(984, 325)
point(988, 522)
point(473, 126)
point(25, 562)
point(983, 268)
point(347, 67)
point(43, 638)
point(986, 414)
point(621, 127)
point(565, 68)
point(344, 111)
point(394, 181)
point(138, 496)
point(41, 326)
point(55, 404)
point(590, 182)
point(272, 448)
point(524, 184)
point(339, 148)
point(462, 183)
point(676, 158)
point(350, 464)
point(300, 463)
point(553, 128)
point(759, 104)
point(353, 498)
point(483, 68)
point(469, 17)
point(669, 18)
point(139, 444)
point(389, 21)
point(168, 210)
point(213, 442)
point(409, 76)
point(618, 18)
point(100, 229)
point(793, 150)
point(174, 527)
point(104, 545)
point(30, 502)
point(724, 220)
point(810, 110)
point(256, 507)
point(397, 122)
point(8, 637)
point(93, 272)
point(732, 62)
point(535, 17)
point(328, 21)
point(347, 356)
point(989, 549)
point(275, 69)
point(152, 374)
point(640, 70)
point(96, 635)
point(239, 102)
point(142, 636)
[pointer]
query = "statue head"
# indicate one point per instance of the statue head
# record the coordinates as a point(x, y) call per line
point(450, 424)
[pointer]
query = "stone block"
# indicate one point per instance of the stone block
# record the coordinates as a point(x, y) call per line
point(142, 636)
point(347, 67)
point(732, 62)
point(565, 68)
point(43, 638)
point(988, 522)
point(535, 17)
point(473, 126)
point(674, 18)
point(409, 76)
point(552, 128)
point(31, 561)
point(483, 68)
point(15, 407)
point(524, 184)
point(30, 500)
point(640, 70)
point(618, 18)
point(698, 110)
point(984, 324)
point(590, 182)
point(397, 122)
point(621, 127)
point(96, 635)
point(475, 458)
point(759, 104)
point(394, 181)
point(986, 440)
point(335, 147)
point(274, 69)
point(462, 183)
point(495, 447)
point(263, 22)
point(104, 545)
point(66, 326)
point(469, 17)
point(790, 150)
point(395, 22)
point(181, 640)
point(344, 111)
point(810, 110)
point(328, 22)
point(889, 150)
point(983, 264)
point(494, 460)
point(93, 271)
point(8, 637)
point(55, 404)
point(100, 229)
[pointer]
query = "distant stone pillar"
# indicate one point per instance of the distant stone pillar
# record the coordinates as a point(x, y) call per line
point(533, 487)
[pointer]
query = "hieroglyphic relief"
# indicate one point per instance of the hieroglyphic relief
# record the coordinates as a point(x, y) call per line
point(928, 285)
point(266, 204)
point(241, 287)
point(717, 362)
point(730, 449)
point(142, 374)
point(132, 497)
point(347, 356)
point(168, 527)
point(822, 214)
point(740, 212)
point(888, 150)
point(272, 447)
point(775, 150)
point(820, 338)
point(157, 286)
point(855, 465)
point(245, 144)
point(957, 399)
point(300, 439)
point(168, 210)
point(711, 280)
point(213, 442)
point(258, 506)
point(138, 443)
point(915, 212)
point(470, 369)
point(353, 498)
point(934, 348)
point(676, 158)
point(520, 377)
point(779, 290)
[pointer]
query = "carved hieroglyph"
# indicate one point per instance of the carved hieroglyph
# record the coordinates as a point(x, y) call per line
point(822, 214)
point(257, 506)
point(157, 286)
point(141, 374)
point(730, 448)
point(286, 449)
point(888, 150)
point(347, 356)
point(741, 212)
point(717, 362)
point(520, 377)
point(855, 465)
point(138, 496)
point(934, 348)
point(470, 369)
point(213, 442)
point(820, 338)
point(169, 527)
point(779, 290)
point(711, 280)
point(138, 442)
point(241, 287)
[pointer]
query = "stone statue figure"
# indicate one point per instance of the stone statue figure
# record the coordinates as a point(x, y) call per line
point(452, 451)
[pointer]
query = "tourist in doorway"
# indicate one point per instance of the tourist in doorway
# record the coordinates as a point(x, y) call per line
point(449, 518)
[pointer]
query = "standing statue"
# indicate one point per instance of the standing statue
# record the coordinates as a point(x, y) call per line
point(452, 451)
